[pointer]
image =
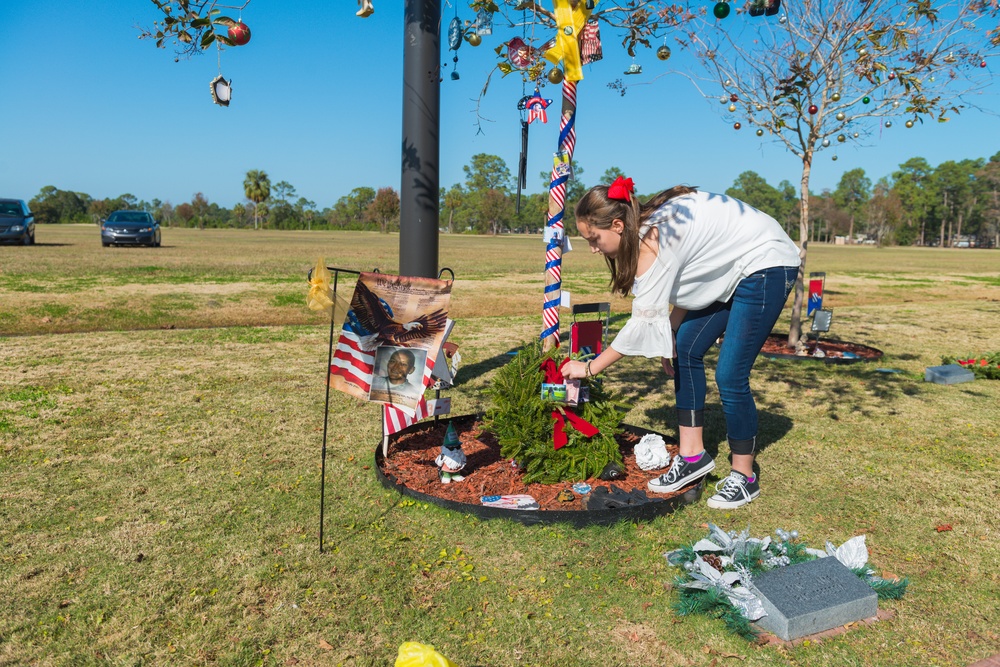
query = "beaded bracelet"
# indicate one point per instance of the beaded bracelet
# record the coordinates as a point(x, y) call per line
point(589, 374)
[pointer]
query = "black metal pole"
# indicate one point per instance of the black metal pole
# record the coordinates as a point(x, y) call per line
point(418, 192)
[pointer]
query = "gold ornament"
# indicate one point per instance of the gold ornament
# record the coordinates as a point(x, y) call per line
point(475, 40)
point(835, 97)
point(555, 75)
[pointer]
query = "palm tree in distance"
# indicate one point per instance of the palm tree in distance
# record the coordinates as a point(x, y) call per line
point(257, 188)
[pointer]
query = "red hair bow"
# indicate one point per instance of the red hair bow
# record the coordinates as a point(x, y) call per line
point(621, 189)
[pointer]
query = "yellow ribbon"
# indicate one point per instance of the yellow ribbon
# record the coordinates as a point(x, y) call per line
point(569, 23)
point(319, 288)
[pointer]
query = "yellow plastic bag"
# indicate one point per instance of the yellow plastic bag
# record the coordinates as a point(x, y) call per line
point(415, 654)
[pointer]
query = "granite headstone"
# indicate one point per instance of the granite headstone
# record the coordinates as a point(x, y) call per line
point(812, 597)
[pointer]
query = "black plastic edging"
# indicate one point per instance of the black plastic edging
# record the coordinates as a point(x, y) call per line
point(576, 518)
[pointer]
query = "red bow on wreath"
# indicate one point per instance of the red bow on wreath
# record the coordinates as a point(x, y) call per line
point(621, 189)
point(553, 375)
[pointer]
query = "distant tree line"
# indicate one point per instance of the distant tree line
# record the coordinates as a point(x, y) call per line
point(955, 203)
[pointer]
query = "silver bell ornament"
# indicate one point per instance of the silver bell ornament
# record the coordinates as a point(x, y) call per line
point(895, 104)
point(888, 123)
point(826, 142)
point(783, 20)
point(723, 99)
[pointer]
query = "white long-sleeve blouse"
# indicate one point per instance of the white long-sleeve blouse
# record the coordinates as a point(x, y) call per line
point(707, 244)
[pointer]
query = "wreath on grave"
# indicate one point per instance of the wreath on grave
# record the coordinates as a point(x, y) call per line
point(717, 569)
point(984, 367)
point(550, 441)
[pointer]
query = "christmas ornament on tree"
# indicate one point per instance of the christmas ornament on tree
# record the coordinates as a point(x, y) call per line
point(736, 126)
point(555, 75)
point(835, 97)
point(866, 99)
point(891, 75)
point(239, 33)
point(888, 123)
point(474, 39)
point(826, 142)
point(841, 138)
point(454, 42)
point(222, 91)
point(841, 116)
point(813, 109)
point(834, 158)
point(732, 108)
point(721, 10)
point(663, 53)
point(908, 124)
point(760, 133)
point(733, 98)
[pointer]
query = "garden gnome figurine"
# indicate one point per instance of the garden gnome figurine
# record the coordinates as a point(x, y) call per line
point(451, 460)
point(366, 8)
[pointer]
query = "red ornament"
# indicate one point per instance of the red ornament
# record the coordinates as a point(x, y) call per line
point(736, 126)
point(813, 109)
point(982, 64)
point(892, 75)
point(239, 33)
point(733, 98)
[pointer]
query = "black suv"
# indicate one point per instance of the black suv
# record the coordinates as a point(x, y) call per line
point(17, 222)
point(131, 227)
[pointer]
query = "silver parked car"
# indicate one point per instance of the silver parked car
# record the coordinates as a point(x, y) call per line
point(17, 222)
point(130, 227)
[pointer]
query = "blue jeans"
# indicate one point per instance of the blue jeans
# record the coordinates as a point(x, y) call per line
point(746, 319)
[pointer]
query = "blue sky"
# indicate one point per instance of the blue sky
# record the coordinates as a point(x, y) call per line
point(317, 102)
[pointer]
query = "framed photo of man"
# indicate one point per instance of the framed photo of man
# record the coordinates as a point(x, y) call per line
point(398, 375)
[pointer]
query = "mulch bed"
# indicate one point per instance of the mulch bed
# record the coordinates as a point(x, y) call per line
point(777, 345)
point(410, 461)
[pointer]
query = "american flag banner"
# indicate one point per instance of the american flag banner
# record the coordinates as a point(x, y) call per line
point(407, 314)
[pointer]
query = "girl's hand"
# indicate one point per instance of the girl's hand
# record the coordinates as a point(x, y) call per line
point(574, 370)
point(668, 367)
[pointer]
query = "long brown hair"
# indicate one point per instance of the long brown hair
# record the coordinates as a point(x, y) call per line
point(597, 210)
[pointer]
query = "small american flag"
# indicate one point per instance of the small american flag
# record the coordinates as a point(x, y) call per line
point(396, 420)
point(590, 43)
point(536, 105)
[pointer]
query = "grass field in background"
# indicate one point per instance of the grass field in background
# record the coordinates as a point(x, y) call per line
point(161, 416)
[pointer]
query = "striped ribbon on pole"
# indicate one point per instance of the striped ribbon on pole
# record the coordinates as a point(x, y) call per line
point(554, 221)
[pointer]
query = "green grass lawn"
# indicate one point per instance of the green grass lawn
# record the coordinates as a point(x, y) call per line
point(161, 416)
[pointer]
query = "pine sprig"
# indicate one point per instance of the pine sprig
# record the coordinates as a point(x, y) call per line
point(523, 423)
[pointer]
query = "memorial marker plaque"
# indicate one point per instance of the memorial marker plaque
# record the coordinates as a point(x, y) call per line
point(812, 597)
